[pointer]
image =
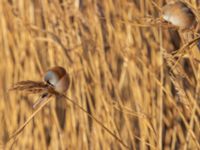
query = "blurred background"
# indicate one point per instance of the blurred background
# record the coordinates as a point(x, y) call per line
point(121, 68)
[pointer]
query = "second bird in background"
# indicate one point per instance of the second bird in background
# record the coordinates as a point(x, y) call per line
point(179, 14)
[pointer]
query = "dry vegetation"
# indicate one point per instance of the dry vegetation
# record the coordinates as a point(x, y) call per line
point(122, 72)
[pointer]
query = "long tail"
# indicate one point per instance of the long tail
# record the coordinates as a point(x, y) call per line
point(61, 110)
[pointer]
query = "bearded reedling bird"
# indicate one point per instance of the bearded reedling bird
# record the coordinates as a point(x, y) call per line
point(179, 14)
point(59, 80)
point(56, 78)
point(56, 83)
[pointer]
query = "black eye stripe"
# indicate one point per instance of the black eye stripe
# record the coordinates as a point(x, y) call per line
point(49, 83)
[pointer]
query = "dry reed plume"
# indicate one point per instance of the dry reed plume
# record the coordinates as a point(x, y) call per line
point(135, 76)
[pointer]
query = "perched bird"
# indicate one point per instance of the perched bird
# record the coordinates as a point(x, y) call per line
point(179, 14)
point(58, 79)
point(56, 83)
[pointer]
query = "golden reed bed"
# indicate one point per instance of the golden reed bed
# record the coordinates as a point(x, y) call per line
point(135, 81)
